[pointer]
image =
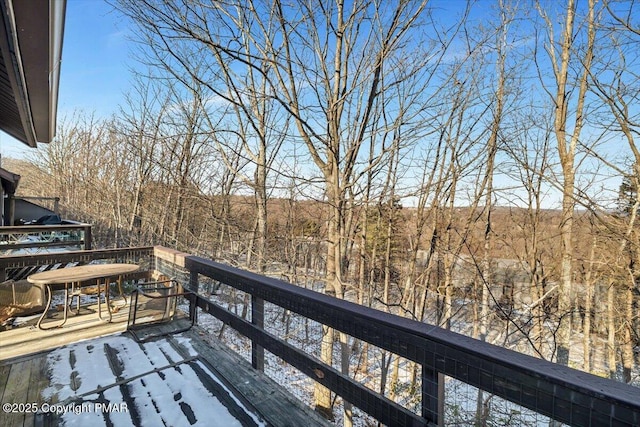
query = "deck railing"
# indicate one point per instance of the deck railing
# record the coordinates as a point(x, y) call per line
point(18, 267)
point(42, 238)
point(560, 393)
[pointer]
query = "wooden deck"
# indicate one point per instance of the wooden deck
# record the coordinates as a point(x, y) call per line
point(92, 373)
point(28, 339)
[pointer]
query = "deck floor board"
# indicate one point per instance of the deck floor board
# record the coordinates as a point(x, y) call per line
point(39, 380)
point(160, 381)
point(28, 339)
point(16, 391)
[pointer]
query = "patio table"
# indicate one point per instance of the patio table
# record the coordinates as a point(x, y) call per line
point(72, 277)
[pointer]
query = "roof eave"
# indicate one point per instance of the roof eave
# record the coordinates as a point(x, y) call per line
point(31, 45)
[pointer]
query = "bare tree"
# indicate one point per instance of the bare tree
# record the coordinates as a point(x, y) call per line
point(139, 127)
point(487, 187)
point(563, 53)
point(326, 65)
point(530, 151)
point(615, 81)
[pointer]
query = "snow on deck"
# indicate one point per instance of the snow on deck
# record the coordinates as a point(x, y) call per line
point(164, 391)
point(173, 381)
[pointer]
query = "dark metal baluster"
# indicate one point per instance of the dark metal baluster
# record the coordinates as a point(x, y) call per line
point(432, 396)
point(257, 318)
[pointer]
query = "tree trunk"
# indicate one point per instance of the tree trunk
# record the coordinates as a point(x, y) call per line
point(627, 339)
point(611, 331)
point(567, 150)
point(321, 394)
point(588, 308)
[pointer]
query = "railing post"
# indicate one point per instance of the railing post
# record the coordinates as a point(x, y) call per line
point(87, 238)
point(194, 288)
point(257, 318)
point(193, 307)
point(432, 396)
point(194, 285)
point(12, 209)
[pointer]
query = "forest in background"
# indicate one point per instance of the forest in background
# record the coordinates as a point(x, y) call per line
point(474, 167)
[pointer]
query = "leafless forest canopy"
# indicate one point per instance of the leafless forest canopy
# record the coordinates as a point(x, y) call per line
point(471, 165)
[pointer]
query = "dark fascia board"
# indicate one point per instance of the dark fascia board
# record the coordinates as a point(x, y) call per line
point(9, 181)
point(15, 74)
point(58, 9)
point(32, 48)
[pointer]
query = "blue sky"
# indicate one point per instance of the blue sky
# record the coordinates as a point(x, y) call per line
point(95, 70)
point(95, 60)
